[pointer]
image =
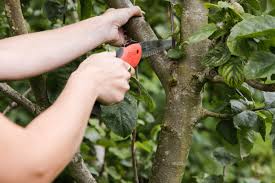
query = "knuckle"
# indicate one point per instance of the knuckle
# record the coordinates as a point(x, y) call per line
point(128, 75)
point(127, 87)
point(119, 97)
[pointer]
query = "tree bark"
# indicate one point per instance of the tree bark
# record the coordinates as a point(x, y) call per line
point(181, 83)
point(18, 98)
point(79, 171)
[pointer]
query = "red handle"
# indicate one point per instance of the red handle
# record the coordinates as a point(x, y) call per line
point(130, 54)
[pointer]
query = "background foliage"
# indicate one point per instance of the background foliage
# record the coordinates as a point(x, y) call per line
point(238, 149)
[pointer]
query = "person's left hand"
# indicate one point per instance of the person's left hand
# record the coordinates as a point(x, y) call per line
point(115, 18)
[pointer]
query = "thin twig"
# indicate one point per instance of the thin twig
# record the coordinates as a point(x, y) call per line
point(13, 104)
point(170, 9)
point(134, 160)
point(18, 98)
point(223, 172)
point(205, 113)
point(263, 87)
point(133, 149)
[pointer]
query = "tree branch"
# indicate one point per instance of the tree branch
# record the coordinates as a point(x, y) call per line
point(182, 88)
point(253, 83)
point(263, 87)
point(14, 104)
point(79, 171)
point(205, 113)
point(18, 98)
point(38, 85)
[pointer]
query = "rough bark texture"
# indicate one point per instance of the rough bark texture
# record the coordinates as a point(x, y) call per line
point(18, 98)
point(83, 174)
point(15, 17)
point(182, 86)
point(78, 169)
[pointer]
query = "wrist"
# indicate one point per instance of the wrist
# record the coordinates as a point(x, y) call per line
point(101, 29)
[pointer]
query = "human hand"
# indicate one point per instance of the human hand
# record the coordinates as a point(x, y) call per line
point(114, 19)
point(108, 75)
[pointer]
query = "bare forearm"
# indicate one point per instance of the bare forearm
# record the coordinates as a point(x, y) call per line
point(61, 127)
point(29, 55)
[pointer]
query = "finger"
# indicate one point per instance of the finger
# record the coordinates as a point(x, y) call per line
point(121, 40)
point(136, 11)
point(129, 68)
point(107, 54)
point(109, 10)
point(126, 13)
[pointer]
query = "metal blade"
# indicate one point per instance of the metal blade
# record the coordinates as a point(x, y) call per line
point(150, 48)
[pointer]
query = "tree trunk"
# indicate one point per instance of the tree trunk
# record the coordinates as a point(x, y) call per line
point(182, 86)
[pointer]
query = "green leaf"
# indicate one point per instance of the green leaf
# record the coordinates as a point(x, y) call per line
point(53, 9)
point(216, 97)
point(272, 136)
point(121, 118)
point(141, 94)
point(272, 132)
point(233, 9)
point(121, 153)
point(260, 65)
point(232, 72)
point(258, 26)
point(263, 119)
point(252, 94)
point(238, 106)
point(92, 135)
point(178, 9)
point(205, 32)
point(213, 179)
point(175, 54)
point(84, 9)
point(246, 140)
point(252, 6)
point(247, 119)
point(228, 131)
point(217, 56)
point(224, 157)
point(113, 173)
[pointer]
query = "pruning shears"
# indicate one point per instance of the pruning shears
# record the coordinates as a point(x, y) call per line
point(132, 53)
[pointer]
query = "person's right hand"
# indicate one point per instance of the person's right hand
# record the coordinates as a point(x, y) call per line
point(109, 76)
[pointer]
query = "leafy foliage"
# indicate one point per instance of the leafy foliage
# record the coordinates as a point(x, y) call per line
point(202, 34)
point(260, 65)
point(224, 157)
point(255, 27)
point(141, 94)
point(121, 118)
point(232, 72)
point(217, 56)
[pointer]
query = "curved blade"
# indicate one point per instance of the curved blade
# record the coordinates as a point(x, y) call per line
point(150, 48)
